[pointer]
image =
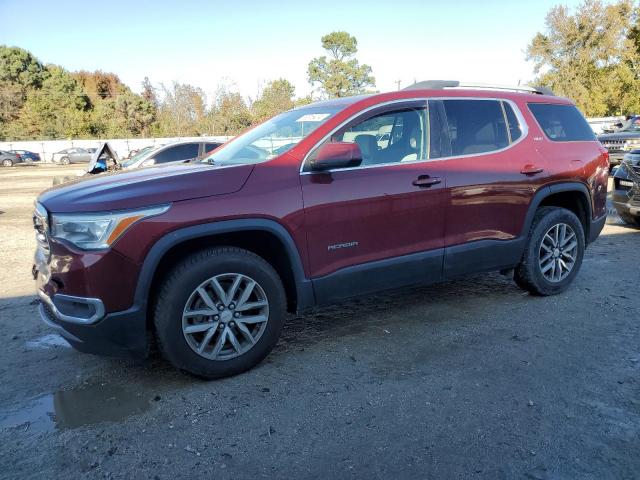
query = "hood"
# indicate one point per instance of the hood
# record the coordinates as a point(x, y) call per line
point(618, 136)
point(144, 187)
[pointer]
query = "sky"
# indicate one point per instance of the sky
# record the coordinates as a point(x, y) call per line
point(244, 44)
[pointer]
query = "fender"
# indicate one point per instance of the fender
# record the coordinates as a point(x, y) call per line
point(304, 291)
point(549, 190)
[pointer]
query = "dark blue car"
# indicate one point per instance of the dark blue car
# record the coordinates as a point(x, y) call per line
point(27, 156)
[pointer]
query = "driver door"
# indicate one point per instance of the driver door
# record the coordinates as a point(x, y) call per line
point(381, 224)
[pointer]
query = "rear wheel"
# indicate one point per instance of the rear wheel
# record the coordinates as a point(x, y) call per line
point(64, 160)
point(219, 312)
point(553, 254)
point(7, 163)
point(630, 219)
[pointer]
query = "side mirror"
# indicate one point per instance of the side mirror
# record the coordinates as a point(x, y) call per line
point(148, 162)
point(337, 155)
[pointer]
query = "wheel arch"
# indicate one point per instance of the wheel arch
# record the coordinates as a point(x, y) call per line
point(573, 196)
point(266, 238)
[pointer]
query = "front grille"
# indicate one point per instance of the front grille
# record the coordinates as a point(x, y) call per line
point(614, 145)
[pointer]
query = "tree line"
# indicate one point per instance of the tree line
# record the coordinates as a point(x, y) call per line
point(591, 55)
point(46, 102)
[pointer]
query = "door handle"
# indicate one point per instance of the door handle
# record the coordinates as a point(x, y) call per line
point(425, 181)
point(531, 170)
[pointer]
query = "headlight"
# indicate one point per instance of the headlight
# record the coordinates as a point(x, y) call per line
point(91, 231)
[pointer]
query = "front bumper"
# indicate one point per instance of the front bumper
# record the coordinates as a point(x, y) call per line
point(615, 157)
point(78, 300)
point(596, 228)
point(122, 334)
point(626, 202)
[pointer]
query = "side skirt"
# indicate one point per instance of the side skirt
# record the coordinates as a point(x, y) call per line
point(414, 269)
point(482, 256)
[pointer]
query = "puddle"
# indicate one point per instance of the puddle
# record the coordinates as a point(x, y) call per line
point(65, 409)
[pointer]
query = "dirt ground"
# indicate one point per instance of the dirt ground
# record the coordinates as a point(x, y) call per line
point(468, 379)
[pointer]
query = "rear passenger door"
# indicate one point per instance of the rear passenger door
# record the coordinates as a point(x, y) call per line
point(489, 189)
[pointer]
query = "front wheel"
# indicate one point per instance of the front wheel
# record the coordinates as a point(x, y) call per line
point(219, 312)
point(553, 254)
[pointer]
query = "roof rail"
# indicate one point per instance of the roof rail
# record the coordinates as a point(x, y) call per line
point(442, 84)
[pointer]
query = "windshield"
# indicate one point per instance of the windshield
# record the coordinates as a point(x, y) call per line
point(141, 155)
point(273, 137)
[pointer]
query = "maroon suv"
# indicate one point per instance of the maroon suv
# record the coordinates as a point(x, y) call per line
point(335, 199)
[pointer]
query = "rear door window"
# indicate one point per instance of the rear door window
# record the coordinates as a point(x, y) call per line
point(475, 126)
point(562, 123)
point(178, 153)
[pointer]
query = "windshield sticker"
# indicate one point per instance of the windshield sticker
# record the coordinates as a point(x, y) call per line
point(313, 117)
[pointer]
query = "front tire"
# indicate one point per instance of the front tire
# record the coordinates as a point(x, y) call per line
point(219, 312)
point(553, 254)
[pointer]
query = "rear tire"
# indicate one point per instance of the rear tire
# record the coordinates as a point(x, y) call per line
point(64, 161)
point(229, 337)
point(553, 254)
point(7, 163)
point(630, 219)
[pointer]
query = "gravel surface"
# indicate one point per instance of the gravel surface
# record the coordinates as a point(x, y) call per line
point(468, 379)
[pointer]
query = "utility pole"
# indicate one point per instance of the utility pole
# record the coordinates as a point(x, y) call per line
point(398, 83)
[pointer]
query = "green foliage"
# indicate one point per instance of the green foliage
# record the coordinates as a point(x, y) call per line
point(277, 97)
point(57, 110)
point(230, 114)
point(591, 56)
point(47, 102)
point(17, 66)
point(340, 75)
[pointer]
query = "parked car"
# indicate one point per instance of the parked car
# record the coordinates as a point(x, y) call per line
point(27, 156)
point(626, 191)
point(9, 159)
point(178, 152)
point(621, 141)
point(209, 256)
point(135, 151)
point(73, 155)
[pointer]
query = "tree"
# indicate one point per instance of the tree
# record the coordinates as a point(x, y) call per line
point(341, 75)
point(57, 110)
point(591, 56)
point(277, 97)
point(230, 114)
point(182, 111)
point(19, 72)
point(149, 92)
point(17, 66)
point(98, 85)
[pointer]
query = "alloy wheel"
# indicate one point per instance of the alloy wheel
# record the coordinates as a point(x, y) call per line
point(558, 252)
point(225, 316)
